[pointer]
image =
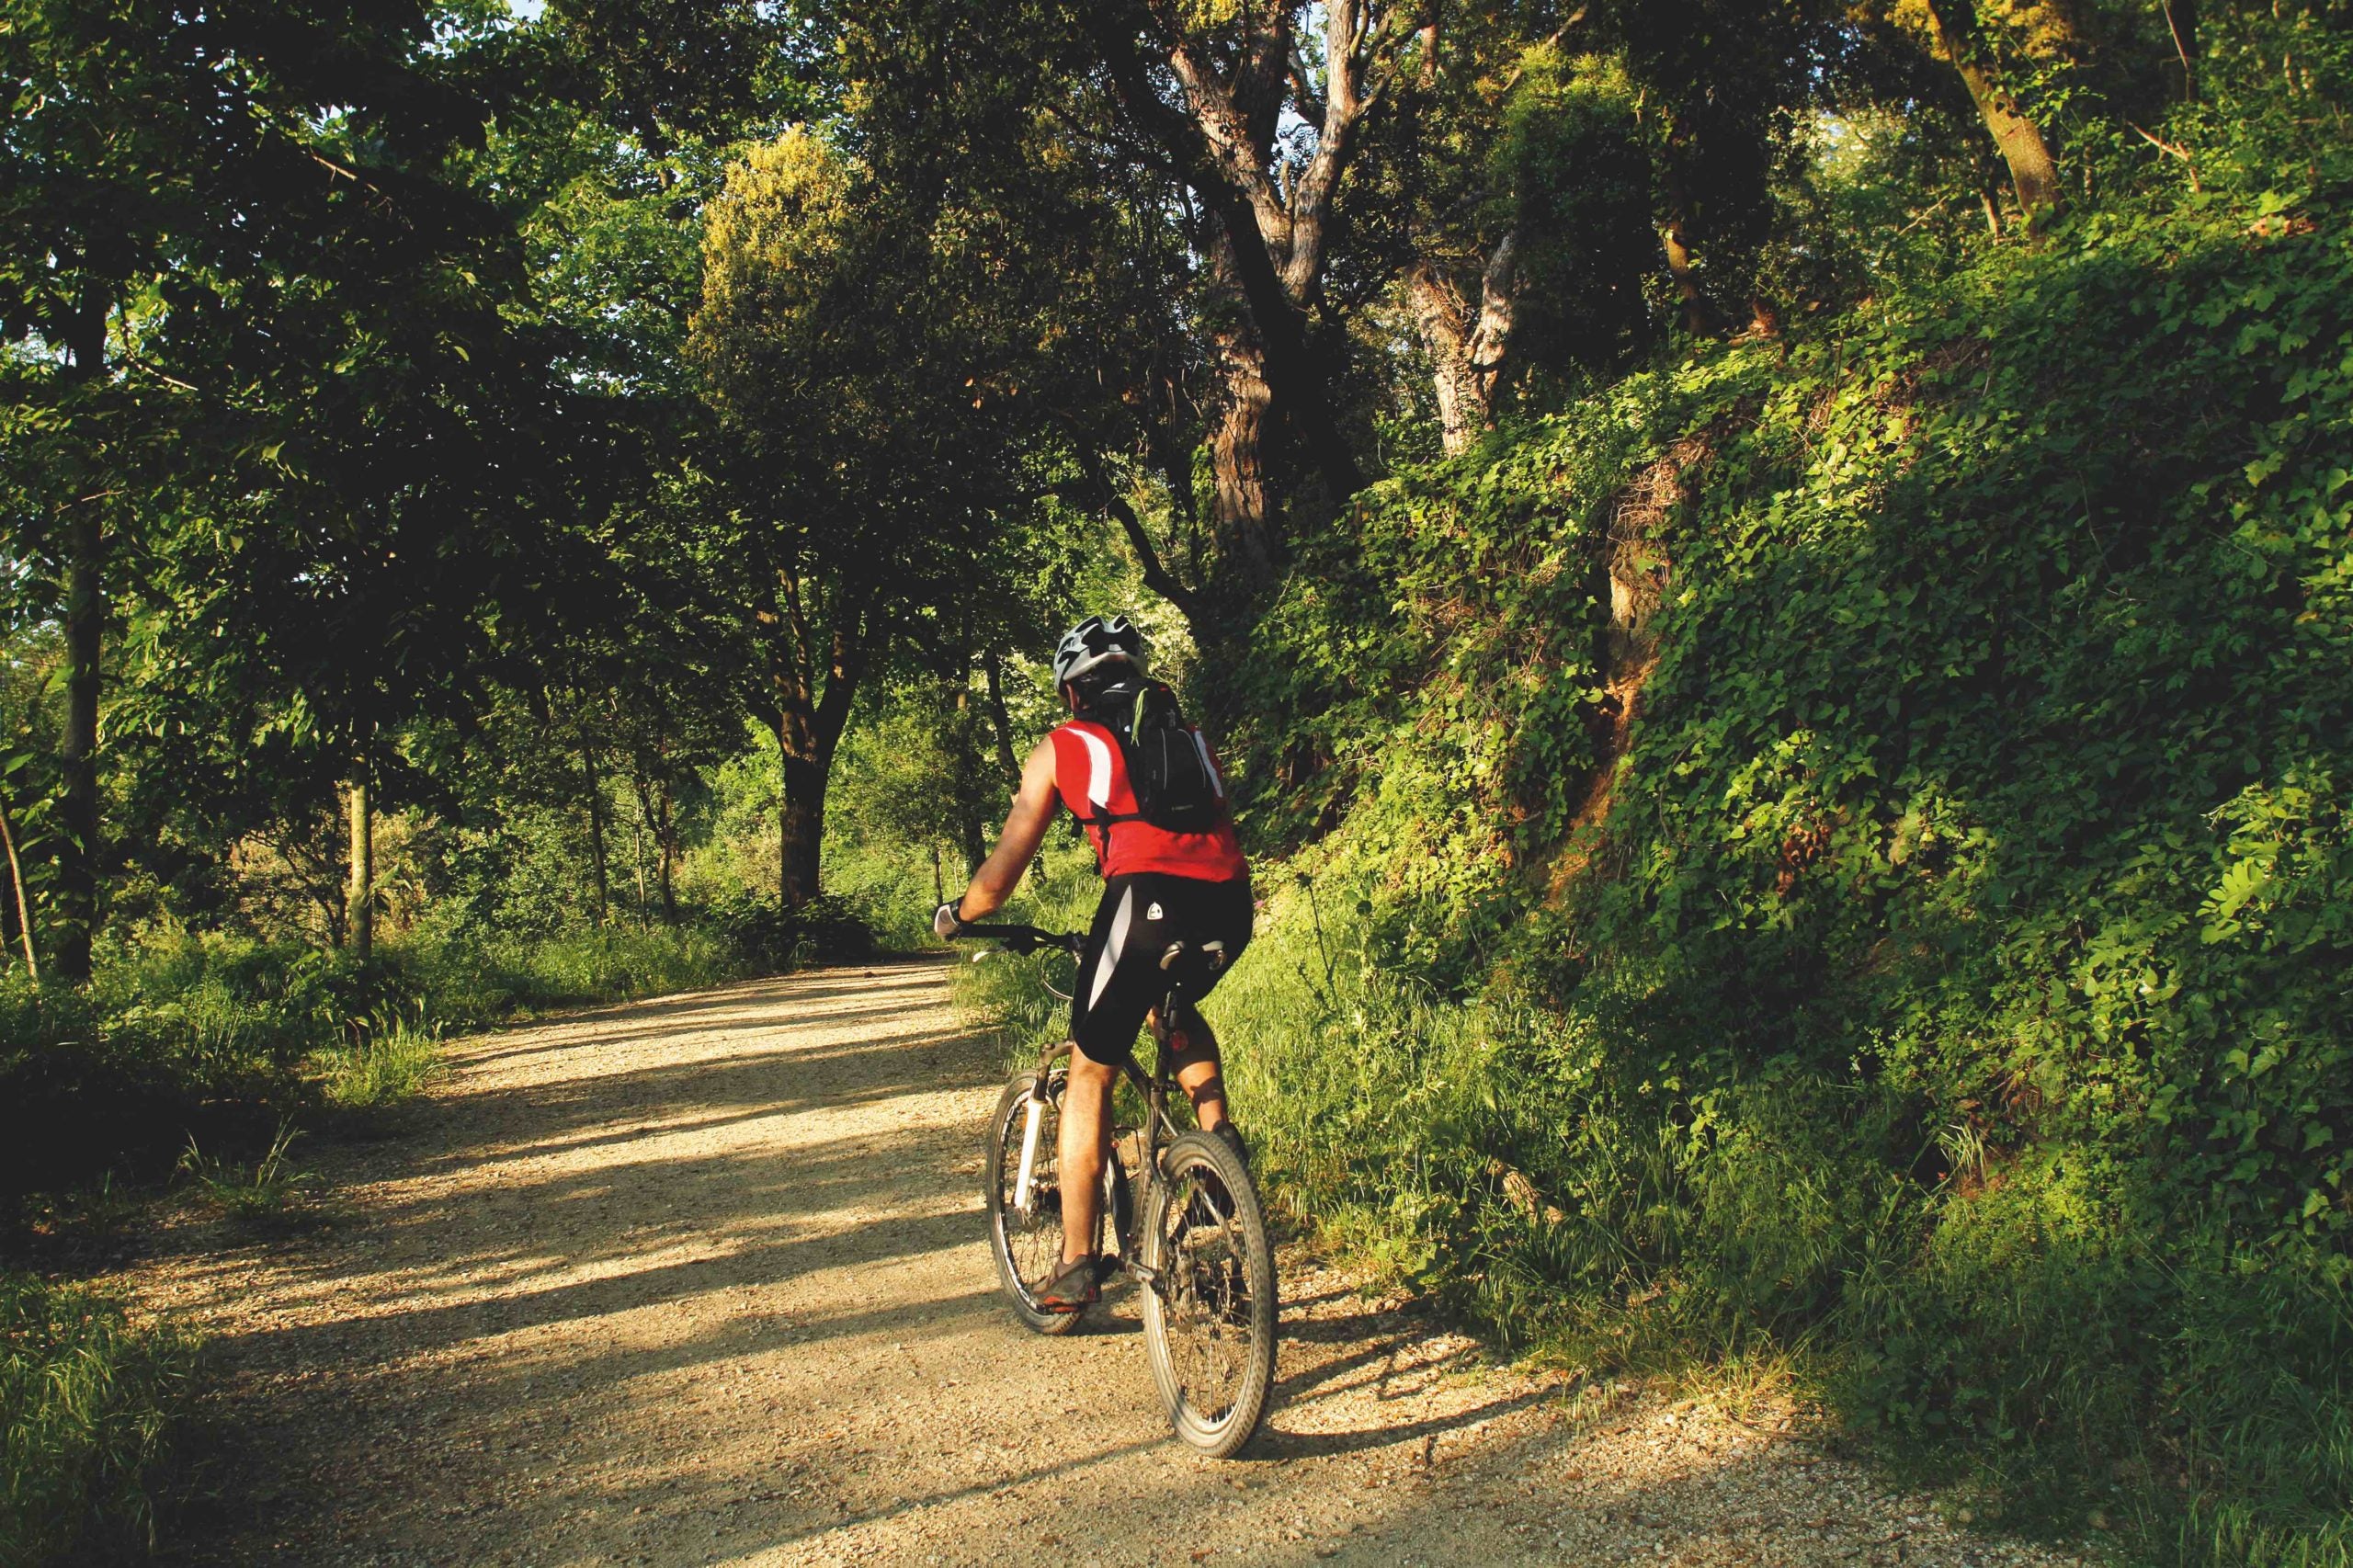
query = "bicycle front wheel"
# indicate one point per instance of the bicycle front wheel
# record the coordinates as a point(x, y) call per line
point(1026, 1220)
point(1208, 1318)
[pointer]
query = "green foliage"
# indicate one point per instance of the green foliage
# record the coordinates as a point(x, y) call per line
point(1012, 992)
point(1949, 976)
point(1435, 669)
point(215, 1040)
point(825, 929)
point(256, 1192)
point(85, 1397)
point(1571, 154)
point(393, 1056)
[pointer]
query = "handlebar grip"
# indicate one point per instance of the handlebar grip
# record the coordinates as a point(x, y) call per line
point(1022, 938)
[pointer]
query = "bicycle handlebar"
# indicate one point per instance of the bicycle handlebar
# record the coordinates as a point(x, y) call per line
point(1027, 939)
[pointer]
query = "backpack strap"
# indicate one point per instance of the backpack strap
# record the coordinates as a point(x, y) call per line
point(1107, 821)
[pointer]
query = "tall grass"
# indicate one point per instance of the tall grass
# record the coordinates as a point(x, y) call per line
point(392, 1059)
point(466, 979)
point(86, 1396)
point(218, 1037)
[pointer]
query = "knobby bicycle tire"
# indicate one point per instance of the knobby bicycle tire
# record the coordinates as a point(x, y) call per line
point(1209, 1320)
point(1028, 1246)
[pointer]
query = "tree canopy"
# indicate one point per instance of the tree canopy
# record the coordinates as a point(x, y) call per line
point(1724, 526)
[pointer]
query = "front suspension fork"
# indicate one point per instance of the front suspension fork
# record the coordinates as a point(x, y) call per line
point(1033, 1112)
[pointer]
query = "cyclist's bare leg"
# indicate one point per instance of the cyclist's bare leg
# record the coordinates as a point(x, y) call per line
point(1085, 1142)
point(1197, 1069)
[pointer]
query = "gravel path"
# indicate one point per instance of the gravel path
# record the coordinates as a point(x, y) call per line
point(702, 1280)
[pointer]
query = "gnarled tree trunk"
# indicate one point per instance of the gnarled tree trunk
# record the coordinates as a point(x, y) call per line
point(2034, 174)
point(1467, 354)
point(1437, 310)
point(1272, 248)
point(1242, 507)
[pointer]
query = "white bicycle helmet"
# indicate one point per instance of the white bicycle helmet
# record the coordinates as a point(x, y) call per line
point(1096, 641)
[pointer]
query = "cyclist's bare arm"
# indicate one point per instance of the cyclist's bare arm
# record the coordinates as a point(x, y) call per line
point(1025, 829)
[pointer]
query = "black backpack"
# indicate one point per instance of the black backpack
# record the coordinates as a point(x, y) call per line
point(1168, 767)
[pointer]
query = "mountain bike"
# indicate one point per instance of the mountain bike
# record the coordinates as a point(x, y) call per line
point(1200, 1252)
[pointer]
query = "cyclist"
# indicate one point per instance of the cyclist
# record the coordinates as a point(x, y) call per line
point(1159, 887)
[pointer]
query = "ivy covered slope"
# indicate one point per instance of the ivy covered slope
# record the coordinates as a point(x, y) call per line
point(1931, 932)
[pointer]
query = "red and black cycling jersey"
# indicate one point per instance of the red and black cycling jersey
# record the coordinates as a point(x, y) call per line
point(1091, 777)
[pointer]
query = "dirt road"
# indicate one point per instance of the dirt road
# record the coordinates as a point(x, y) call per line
point(702, 1280)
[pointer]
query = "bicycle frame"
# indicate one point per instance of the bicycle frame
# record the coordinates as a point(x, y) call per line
point(1160, 1129)
point(1185, 1219)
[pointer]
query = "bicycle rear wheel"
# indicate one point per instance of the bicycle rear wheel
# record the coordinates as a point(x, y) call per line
point(1025, 1230)
point(1209, 1319)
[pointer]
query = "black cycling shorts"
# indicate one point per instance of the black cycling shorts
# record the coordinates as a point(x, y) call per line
point(1119, 978)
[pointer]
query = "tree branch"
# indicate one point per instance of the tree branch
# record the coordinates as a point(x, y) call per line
point(1224, 127)
point(1558, 34)
point(1297, 381)
point(1156, 575)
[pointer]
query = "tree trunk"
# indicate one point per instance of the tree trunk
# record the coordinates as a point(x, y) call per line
point(596, 834)
point(1271, 250)
point(1007, 763)
point(77, 883)
point(1491, 336)
point(665, 833)
point(1467, 355)
point(805, 743)
point(972, 806)
point(360, 902)
point(2034, 175)
point(1242, 507)
point(1437, 310)
point(23, 906)
point(802, 821)
point(86, 614)
point(644, 824)
point(637, 863)
point(813, 672)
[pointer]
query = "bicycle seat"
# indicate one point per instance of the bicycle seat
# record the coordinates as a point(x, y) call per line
point(1197, 963)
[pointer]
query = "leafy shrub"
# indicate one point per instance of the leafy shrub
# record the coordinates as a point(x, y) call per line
point(767, 937)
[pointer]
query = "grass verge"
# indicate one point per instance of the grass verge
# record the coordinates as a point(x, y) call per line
point(87, 1396)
